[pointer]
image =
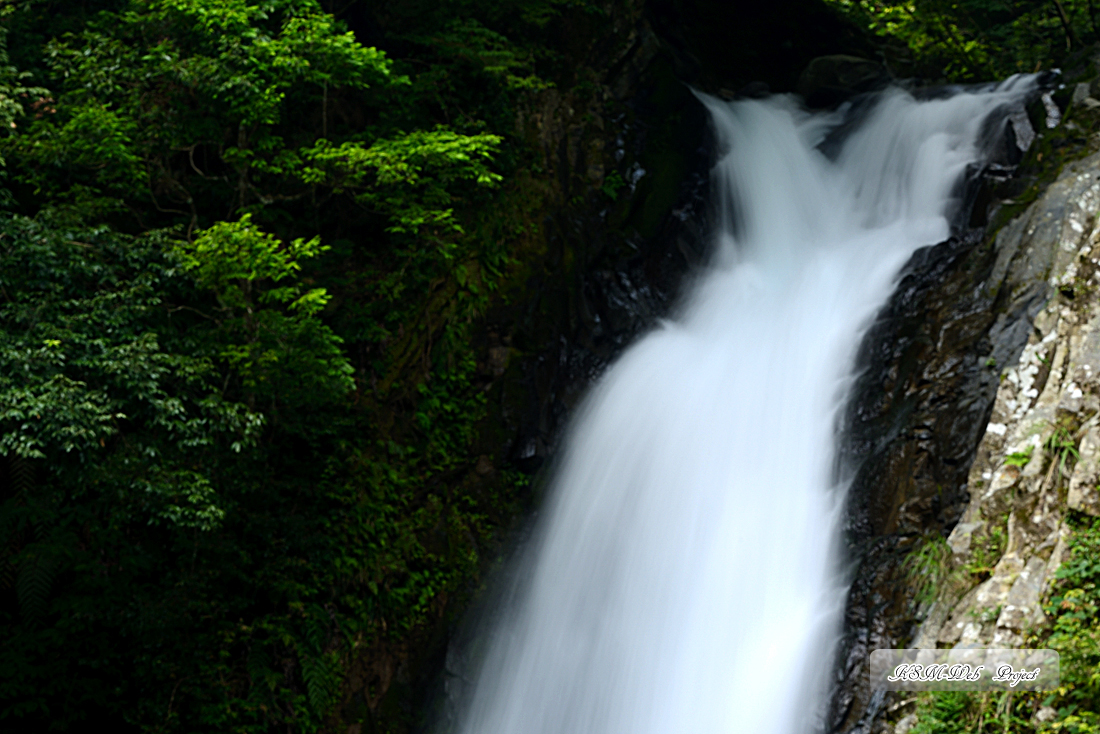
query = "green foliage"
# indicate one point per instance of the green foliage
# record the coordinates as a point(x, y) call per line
point(1074, 609)
point(281, 350)
point(231, 256)
point(469, 40)
point(156, 497)
point(12, 90)
point(1062, 444)
point(945, 713)
point(611, 185)
point(104, 431)
point(239, 413)
point(76, 361)
point(218, 82)
point(987, 549)
point(974, 40)
point(926, 568)
point(1020, 458)
point(955, 712)
point(408, 177)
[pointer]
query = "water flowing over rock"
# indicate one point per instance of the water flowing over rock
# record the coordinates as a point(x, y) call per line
point(685, 576)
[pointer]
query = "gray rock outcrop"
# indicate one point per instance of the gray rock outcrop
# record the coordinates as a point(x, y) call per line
point(1040, 454)
point(978, 396)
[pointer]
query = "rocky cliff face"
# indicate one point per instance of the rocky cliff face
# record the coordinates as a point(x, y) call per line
point(913, 427)
point(978, 398)
point(1038, 460)
point(1038, 455)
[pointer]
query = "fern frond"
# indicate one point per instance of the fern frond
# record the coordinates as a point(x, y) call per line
point(22, 475)
point(317, 628)
point(7, 573)
point(32, 586)
point(322, 677)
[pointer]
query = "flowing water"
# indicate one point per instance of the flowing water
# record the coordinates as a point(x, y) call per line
point(686, 577)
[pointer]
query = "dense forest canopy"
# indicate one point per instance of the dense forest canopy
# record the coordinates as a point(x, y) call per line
point(226, 423)
point(244, 249)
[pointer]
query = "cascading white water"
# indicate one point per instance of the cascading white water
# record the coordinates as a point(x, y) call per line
point(685, 577)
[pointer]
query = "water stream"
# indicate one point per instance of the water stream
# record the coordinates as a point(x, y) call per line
point(685, 577)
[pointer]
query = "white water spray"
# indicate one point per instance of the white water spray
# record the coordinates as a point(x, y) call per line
point(685, 576)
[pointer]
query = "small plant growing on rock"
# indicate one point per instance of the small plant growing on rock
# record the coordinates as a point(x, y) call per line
point(987, 551)
point(1062, 445)
point(1020, 458)
point(986, 615)
point(926, 567)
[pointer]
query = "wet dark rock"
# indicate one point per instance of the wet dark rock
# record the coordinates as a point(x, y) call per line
point(918, 412)
point(829, 80)
point(912, 429)
point(614, 265)
point(752, 90)
point(727, 44)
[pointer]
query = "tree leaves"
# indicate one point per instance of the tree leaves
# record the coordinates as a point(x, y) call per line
point(80, 363)
point(409, 176)
point(231, 517)
point(12, 90)
point(59, 413)
point(283, 349)
point(230, 256)
point(168, 75)
point(978, 40)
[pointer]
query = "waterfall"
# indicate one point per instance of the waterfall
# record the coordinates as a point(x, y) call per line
point(686, 576)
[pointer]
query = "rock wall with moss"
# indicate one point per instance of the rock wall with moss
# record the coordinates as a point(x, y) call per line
point(970, 518)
